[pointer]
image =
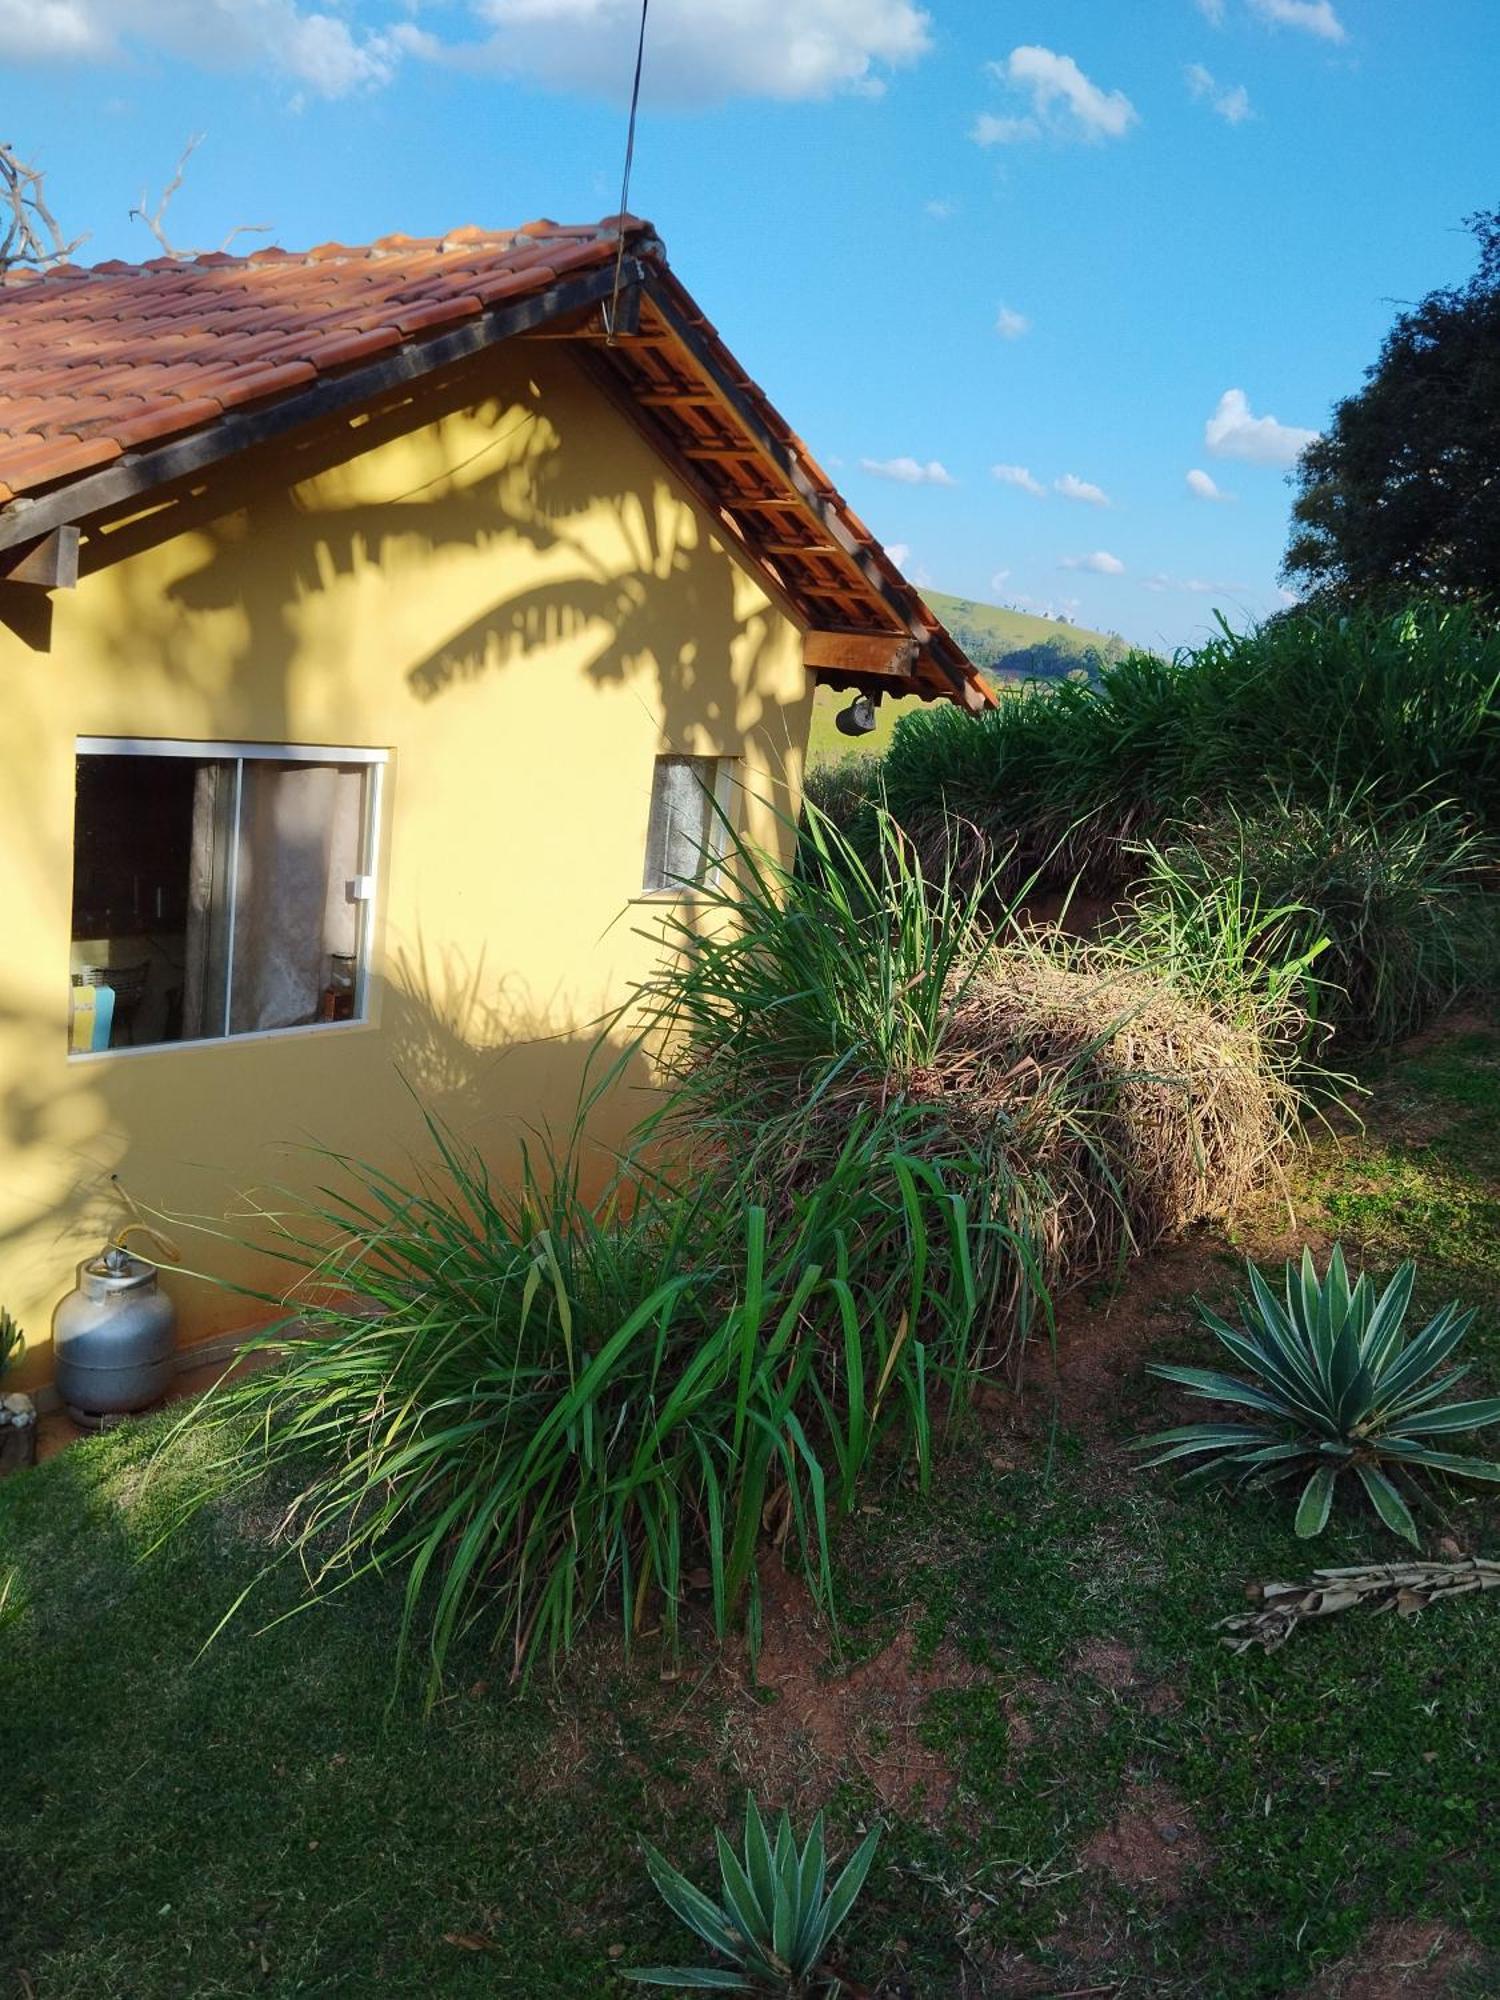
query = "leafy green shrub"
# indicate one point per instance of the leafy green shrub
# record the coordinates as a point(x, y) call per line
point(888, 1135)
point(772, 1920)
point(1381, 911)
point(1335, 1386)
point(1082, 1100)
point(841, 792)
point(532, 1404)
point(1066, 779)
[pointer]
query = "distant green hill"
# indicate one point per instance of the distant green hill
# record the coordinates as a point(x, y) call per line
point(1008, 645)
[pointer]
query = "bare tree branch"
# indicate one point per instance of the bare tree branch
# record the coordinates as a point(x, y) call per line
point(29, 232)
point(155, 222)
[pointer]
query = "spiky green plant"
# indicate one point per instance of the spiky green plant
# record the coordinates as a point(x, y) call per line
point(772, 1920)
point(12, 1341)
point(1335, 1386)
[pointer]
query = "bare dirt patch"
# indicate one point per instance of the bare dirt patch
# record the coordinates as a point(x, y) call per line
point(1152, 1843)
point(867, 1719)
point(1101, 1342)
point(1400, 1962)
point(1113, 1666)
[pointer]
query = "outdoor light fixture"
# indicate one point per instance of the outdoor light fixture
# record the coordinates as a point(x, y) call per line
point(858, 719)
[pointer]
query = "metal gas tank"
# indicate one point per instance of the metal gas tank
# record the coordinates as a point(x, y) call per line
point(114, 1338)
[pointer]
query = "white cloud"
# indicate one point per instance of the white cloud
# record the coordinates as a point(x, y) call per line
point(1046, 607)
point(1212, 12)
point(43, 30)
point(1196, 586)
point(1065, 104)
point(705, 51)
point(899, 552)
point(1018, 475)
point(940, 211)
point(317, 50)
point(999, 580)
point(1071, 487)
point(1010, 324)
point(1233, 106)
point(1314, 17)
point(1203, 487)
point(1232, 432)
point(909, 471)
point(701, 51)
point(1101, 562)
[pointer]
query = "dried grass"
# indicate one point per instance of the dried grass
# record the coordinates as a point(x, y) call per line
point(1090, 1109)
point(1150, 1108)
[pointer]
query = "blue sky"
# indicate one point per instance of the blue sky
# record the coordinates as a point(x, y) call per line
point(1099, 246)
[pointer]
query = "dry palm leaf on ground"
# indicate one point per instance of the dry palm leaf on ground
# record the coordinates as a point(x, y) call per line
point(1406, 1587)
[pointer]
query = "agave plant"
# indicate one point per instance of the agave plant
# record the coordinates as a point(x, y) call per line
point(1334, 1386)
point(12, 1341)
point(772, 1920)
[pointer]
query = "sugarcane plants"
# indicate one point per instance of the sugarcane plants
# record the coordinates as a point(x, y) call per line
point(1334, 1386)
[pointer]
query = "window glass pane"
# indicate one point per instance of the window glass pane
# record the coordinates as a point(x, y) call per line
point(212, 895)
point(141, 913)
point(683, 836)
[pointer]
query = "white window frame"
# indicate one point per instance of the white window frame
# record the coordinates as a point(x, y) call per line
point(239, 754)
point(720, 828)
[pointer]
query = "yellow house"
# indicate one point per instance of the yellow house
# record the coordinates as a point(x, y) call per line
point(376, 625)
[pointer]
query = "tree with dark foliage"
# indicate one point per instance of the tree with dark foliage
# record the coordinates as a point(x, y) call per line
point(1401, 495)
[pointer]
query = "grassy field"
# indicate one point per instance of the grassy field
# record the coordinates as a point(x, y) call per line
point(1083, 1793)
point(989, 632)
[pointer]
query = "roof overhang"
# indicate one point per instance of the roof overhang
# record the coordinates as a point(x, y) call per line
point(642, 340)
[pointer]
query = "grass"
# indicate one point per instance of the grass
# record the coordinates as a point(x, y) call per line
point(252, 1820)
point(1080, 1101)
point(1068, 778)
point(1389, 907)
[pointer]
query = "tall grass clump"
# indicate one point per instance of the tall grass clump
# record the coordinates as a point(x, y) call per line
point(889, 1133)
point(1068, 779)
point(1382, 913)
point(1086, 1102)
point(842, 792)
point(533, 1406)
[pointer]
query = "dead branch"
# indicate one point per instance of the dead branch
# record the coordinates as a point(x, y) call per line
point(29, 232)
point(1406, 1588)
point(155, 220)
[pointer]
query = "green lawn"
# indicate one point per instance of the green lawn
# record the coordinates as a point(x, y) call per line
point(1083, 1792)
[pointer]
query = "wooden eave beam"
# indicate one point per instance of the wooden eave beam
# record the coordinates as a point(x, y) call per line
point(659, 294)
point(48, 563)
point(892, 655)
point(614, 388)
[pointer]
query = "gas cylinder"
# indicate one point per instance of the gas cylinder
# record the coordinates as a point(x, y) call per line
point(114, 1338)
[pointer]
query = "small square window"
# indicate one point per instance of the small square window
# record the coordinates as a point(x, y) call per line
point(218, 889)
point(689, 825)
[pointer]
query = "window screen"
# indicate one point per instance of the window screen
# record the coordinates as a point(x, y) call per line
point(217, 891)
point(687, 831)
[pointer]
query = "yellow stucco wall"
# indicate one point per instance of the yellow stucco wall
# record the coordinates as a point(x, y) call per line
point(503, 588)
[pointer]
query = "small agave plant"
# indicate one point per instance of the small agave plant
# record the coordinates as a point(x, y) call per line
point(772, 1920)
point(1334, 1386)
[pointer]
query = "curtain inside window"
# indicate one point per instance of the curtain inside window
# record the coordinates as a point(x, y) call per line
point(299, 846)
point(206, 938)
point(680, 839)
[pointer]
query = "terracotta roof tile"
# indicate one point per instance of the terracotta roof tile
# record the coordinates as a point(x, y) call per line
point(124, 357)
point(172, 343)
